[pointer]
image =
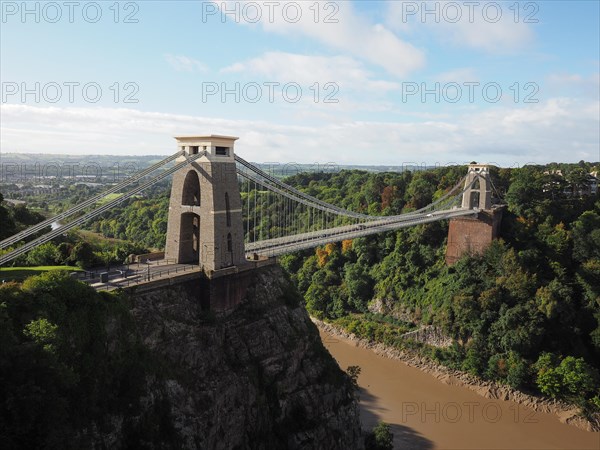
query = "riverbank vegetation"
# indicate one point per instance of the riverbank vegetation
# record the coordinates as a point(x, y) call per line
point(525, 313)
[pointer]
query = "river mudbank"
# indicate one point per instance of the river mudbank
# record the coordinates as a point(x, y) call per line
point(566, 413)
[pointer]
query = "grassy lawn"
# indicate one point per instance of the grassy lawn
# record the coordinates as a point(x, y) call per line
point(97, 238)
point(20, 273)
point(109, 198)
point(113, 196)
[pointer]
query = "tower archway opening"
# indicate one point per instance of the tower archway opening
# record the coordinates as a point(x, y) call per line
point(475, 194)
point(189, 238)
point(191, 189)
point(474, 199)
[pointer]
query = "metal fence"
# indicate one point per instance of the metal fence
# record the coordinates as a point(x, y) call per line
point(89, 275)
point(141, 277)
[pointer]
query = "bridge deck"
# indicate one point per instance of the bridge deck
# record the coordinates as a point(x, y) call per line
point(280, 246)
point(286, 200)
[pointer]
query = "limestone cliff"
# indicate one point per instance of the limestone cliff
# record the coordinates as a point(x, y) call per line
point(257, 377)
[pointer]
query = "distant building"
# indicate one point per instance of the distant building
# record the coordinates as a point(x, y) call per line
point(588, 187)
point(592, 184)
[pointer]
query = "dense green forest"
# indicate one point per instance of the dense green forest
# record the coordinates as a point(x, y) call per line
point(55, 379)
point(17, 218)
point(143, 221)
point(525, 313)
point(62, 367)
point(70, 249)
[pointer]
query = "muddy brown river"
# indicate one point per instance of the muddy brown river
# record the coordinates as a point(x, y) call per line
point(425, 413)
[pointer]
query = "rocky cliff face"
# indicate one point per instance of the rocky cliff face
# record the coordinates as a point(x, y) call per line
point(257, 377)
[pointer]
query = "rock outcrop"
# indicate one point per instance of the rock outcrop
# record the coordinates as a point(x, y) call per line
point(429, 335)
point(257, 377)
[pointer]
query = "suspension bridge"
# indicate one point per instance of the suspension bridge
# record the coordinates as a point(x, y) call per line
point(225, 211)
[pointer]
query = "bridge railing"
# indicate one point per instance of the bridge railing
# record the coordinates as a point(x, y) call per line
point(88, 275)
point(142, 277)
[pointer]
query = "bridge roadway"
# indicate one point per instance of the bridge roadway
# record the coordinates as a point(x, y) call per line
point(288, 244)
point(364, 225)
point(135, 274)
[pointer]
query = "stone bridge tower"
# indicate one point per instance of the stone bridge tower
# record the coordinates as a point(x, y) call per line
point(480, 194)
point(205, 213)
point(472, 235)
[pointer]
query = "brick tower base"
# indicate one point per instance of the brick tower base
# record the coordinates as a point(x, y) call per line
point(472, 235)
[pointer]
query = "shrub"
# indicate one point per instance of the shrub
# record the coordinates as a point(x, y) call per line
point(381, 438)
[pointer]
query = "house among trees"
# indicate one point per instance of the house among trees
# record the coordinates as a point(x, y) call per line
point(576, 183)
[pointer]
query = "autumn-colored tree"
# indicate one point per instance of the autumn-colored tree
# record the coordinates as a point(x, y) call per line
point(387, 196)
point(346, 246)
point(321, 256)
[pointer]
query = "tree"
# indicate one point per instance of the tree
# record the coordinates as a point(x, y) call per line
point(316, 300)
point(359, 286)
point(64, 252)
point(306, 272)
point(586, 236)
point(466, 316)
point(548, 380)
point(43, 255)
point(519, 283)
point(573, 378)
point(578, 179)
point(7, 224)
point(557, 240)
point(554, 300)
point(509, 368)
point(83, 255)
point(518, 328)
point(525, 192)
point(473, 362)
point(381, 438)
point(518, 370)
point(420, 190)
point(577, 376)
point(42, 332)
point(25, 216)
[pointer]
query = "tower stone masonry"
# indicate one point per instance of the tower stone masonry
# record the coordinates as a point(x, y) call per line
point(473, 235)
point(205, 213)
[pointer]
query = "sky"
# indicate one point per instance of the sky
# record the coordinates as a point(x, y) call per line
point(349, 82)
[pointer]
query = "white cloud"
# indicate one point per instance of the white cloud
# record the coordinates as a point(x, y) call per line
point(183, 63)
point(350, 33)
point(557, 130)
point(488, 26)
point(283, 67)
point(574, 84)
